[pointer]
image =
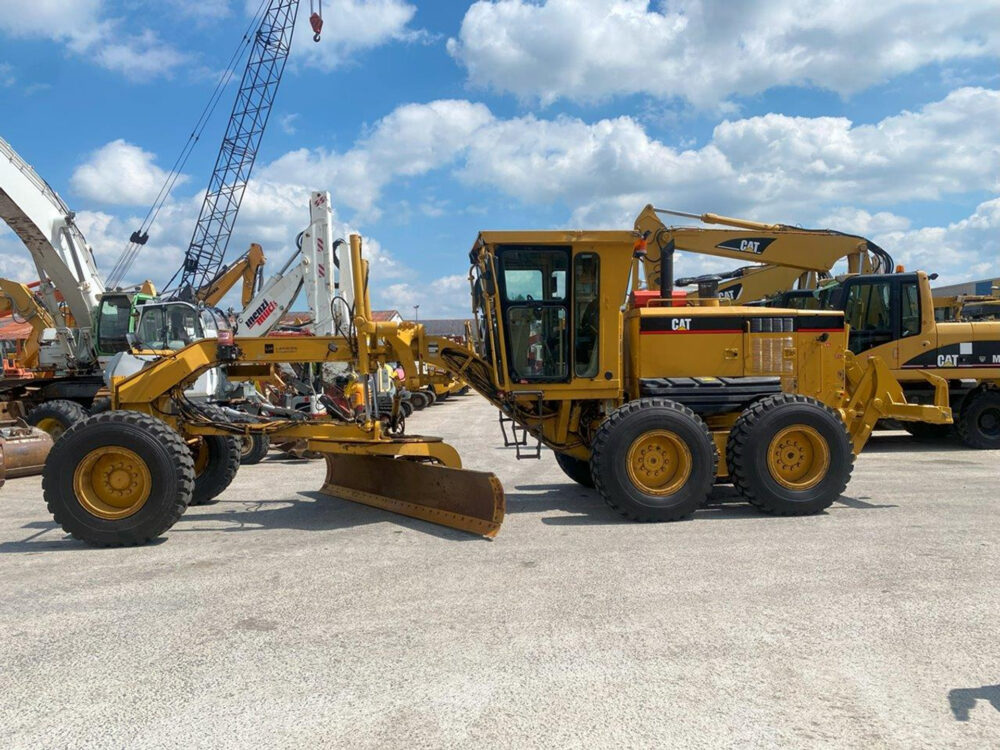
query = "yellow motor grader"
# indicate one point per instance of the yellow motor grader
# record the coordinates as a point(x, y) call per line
point(649, 402)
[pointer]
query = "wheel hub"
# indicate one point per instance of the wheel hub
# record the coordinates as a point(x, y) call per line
point(112, 482)
point(798, 457)
point(659, 462)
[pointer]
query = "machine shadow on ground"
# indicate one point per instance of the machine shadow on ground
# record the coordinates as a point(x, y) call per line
point(884, 443)
point(963, 700)
point(587, 508)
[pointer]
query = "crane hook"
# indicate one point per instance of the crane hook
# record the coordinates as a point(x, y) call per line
point(316, 19)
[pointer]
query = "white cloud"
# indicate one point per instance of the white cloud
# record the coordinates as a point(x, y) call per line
point(287, 123)
point(86, 30)
point(412, 140)
point(7, 77)
point(354, 26)
point(443, 297)
point(790, 169)
point(962, 251)
point(705, 51)
point(120, 173)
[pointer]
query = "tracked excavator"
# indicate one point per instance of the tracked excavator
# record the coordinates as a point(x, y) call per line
point(650, 403)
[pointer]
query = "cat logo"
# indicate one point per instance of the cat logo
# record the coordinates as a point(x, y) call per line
point(751, 245)
point(680, 324)
point(947, 360)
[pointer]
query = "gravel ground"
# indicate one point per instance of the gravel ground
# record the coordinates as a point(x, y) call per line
point(280, 617)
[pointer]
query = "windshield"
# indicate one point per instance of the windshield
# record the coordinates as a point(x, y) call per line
point(170, 326)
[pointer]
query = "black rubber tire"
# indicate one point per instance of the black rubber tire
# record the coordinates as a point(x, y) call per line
point(576, 469)
point(443, 396)
point(419, 400)
point(223, 462)
point(927, 432)
point(100, 405)
point(463, 390)
point(978, 424)
point(60, 411)
point(431, 396)
point(407, 408)
point(166, 456)
point(610, 449)
point(749, 442)
point(253, 449)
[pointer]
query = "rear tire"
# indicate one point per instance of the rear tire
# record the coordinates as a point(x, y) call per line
point(419, 400)
point(653, 460)
point(431, 396)
point(789, 455)
point(576, 469)
point(56, 416)
point(253, 449)
point(979, 422)
point(119, 478)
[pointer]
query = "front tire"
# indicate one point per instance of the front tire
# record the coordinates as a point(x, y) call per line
point(979, 422)
point(789, 455)
point(654, 460)
point(119, 478)
point(216, 461)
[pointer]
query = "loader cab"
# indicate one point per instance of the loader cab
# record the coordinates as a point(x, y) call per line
point(117, 316)
point(881, 309)
point(175, 324)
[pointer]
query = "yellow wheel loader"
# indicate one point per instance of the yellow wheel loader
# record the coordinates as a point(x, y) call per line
point(891, 315)
point(652, 403)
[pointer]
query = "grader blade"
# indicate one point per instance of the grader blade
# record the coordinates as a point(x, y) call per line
point(470, 501)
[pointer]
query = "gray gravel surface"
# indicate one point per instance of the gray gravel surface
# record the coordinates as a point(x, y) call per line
point(279, 617)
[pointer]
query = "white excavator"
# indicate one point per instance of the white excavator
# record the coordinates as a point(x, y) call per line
point(77, 324)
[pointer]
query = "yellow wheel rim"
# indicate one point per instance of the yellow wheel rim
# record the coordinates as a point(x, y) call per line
point(246, 445)
point(199, 450)
point(112, 482)
point(52, 426)
point(659, 462)
point(798, 457)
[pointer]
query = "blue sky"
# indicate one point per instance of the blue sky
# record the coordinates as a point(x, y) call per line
point(431, 121)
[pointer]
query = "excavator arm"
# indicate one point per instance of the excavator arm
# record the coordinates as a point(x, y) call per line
point(781, 256)
point(248, 268)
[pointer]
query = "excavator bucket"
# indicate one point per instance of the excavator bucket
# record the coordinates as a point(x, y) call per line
point(466, 500)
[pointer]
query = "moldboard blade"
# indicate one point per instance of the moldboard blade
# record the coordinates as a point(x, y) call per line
point(470, 501)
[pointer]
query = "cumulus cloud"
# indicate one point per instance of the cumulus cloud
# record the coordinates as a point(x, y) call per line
point(120, 173)
point(705, 51)
point(790, 169)
point(962, 250)
point(86, 30)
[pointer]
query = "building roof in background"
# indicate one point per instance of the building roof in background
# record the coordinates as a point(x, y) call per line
point(445, 326)
point(12, 330)
point(304, 317)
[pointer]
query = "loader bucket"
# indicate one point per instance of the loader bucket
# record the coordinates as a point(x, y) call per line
point(23, 450)
point(470, 501)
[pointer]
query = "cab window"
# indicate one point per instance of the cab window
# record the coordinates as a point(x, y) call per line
point(113, 323)
point(586, 312)
point(535, 309)
point(866, 310)
point(909, 310)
